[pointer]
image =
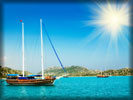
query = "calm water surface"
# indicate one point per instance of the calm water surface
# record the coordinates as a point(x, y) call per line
point(72, 88)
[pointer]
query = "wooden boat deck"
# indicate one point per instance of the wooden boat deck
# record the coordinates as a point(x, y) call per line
point(30, 81)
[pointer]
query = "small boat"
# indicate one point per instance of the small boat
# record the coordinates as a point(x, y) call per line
point(66, 75)
point(58, 77)
point(16, 79)
point(102, 76)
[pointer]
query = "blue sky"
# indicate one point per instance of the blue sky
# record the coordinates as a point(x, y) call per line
point(75, 42)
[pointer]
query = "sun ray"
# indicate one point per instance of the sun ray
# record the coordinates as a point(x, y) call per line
point(111, 23)
point(111, 17)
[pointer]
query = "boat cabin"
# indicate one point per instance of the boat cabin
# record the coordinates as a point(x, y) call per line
point(17, 76)
point(20, 77)
point(12, 76)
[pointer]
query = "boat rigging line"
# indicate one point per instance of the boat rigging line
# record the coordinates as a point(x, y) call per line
point(53, 47)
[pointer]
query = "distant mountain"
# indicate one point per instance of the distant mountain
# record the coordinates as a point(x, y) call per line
point(5, 70)
point(71, 71)
point(82, 71)
point(119, 72)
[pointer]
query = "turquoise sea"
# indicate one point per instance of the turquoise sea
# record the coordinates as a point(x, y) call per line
point(72, 88)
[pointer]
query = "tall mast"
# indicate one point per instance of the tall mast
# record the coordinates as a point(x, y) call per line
point(41, 47)
point(23, 47)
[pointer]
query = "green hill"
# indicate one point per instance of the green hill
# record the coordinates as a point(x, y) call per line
point(71, 71)
point(119, 72)
point(82, 71)
point(5, 70)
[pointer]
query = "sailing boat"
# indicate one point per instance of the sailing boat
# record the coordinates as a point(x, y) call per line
point(16, 79)
point(102, 76)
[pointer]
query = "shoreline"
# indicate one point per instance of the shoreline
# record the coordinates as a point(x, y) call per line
point(73, 76)
point(94, 76)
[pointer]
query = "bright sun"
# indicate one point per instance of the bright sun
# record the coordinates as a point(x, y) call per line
point(108, 30)
point(111, 18)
